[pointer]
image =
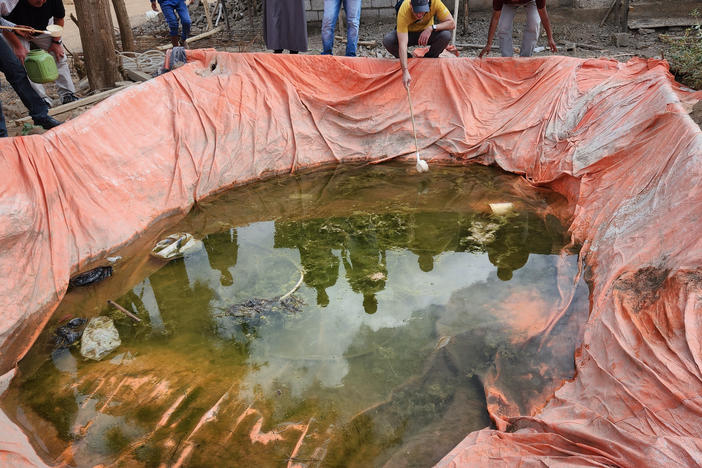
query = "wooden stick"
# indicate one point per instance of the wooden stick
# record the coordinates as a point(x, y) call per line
point(414, 129)
point(76, 104)
point(609, 10)
point(465, 16)
point(363, 43)
point(20, 28)
point(125, 311)
point(455, 22)
point(208, 15)
point(464, 45)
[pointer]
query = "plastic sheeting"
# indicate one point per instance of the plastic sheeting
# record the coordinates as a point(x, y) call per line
point(614, 138)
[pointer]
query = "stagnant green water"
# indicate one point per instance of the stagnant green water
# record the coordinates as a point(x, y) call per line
point(414, 299)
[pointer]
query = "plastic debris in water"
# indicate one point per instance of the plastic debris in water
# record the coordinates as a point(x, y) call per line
point(92, 276)
point(100, 338)
point(66, 335)
point(176, 245)
point(443, 341)
point(501, 208)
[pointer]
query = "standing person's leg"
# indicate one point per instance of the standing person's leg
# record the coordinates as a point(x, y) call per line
point(168, 7)
point(331, 13)
point(182, 10)
point(16, 75)
point(504, 30)
point(353, 20)
point(531, 30)
point(438, 42)
point(64, 82)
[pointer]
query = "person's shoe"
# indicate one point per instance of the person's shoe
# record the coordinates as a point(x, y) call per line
point(70, 97)
point(47, 122)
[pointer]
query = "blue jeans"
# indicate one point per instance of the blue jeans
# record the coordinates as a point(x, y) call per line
point(16, 75)
point(353, 18)
point(169, 9)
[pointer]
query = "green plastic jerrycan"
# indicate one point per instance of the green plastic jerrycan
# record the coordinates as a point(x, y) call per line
point(41, 67)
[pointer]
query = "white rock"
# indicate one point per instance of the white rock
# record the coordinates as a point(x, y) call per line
point(100, 337)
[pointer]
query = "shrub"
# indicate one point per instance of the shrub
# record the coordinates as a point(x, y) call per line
point(685, 55)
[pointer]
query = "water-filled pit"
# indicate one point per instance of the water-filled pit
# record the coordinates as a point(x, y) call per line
point(415, 296)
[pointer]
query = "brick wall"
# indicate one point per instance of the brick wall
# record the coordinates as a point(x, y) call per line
point(369, 9)
point(386, 8)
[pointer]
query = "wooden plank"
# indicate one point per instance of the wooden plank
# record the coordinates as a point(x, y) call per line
point(650, 23)
point(136, 75)
point(209, 33)
point(62, 109)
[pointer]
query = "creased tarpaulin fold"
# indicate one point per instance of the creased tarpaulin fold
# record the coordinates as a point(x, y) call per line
point(614, 138)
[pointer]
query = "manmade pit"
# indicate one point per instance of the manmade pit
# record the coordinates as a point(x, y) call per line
point(345, 317)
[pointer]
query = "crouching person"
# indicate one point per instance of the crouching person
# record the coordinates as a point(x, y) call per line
point(415, 26)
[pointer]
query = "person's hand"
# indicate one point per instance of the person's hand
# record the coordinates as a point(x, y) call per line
point(153, 6)
point(406, 78)
point(424, 37)
point(20, 52)
point(27, 32)
point(485, 51)
point(57, 49)
point(552, 45)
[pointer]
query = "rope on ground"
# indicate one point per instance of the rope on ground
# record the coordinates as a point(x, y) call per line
point(146, 62)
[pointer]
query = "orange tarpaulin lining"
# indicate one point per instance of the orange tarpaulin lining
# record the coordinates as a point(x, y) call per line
point(614, 138)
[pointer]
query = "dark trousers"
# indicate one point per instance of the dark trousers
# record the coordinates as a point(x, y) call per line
point(16, 75)
point(437, 42)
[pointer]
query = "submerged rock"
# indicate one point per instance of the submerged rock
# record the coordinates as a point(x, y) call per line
point(100, 337)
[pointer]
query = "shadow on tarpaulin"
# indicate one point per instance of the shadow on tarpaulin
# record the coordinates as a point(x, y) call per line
point(614, 138)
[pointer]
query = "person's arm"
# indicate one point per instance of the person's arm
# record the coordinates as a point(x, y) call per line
point(491, 32)
point(16, 45)
point(547, 26)
point(402, 39)
point(153, 5)
point(447, 24)
point(56, 46)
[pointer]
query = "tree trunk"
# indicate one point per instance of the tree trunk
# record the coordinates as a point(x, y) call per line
point(125, 28)
point(98, 45)
point(624, 16)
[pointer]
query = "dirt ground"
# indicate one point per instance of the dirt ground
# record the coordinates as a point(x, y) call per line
point(577, 33)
